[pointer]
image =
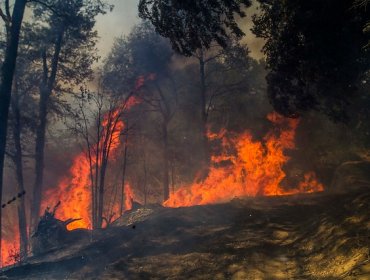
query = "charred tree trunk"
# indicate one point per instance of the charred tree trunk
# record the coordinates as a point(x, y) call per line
point(103, 169)
point(124, 174)
point(39, 156)
point(95, 195)
point(166, 185)
point(46, 89)
point(204, 114)
point(173, 175)
point(22, 222)
point(7, 73)
point(145, 181)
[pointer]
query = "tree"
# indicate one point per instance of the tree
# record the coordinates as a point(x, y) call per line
point(193, 25)
point(64, 43)
point(315, 54)
point(99, 121)
point(13, 24)
point(193, 28)
point(221, 71)
point(145, 53)
point(21, 128)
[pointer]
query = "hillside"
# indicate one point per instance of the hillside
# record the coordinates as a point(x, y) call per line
point(318, 236)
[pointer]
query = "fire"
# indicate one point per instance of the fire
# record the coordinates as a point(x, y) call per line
point(247, 167)
point(74, 191)
point(10, 248)
point(129, 196)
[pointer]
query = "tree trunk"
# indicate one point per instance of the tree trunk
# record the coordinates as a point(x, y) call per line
point(124, 175)
point(7, 73)
point(96, 223)
point(145, 181)
point(39, 157)
point(22, 222)
point(166, 186)
point(45, 92)
point(173, 175)
point(204, 114)
point(103, 169)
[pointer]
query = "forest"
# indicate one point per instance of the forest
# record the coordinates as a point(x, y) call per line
point(186, 126)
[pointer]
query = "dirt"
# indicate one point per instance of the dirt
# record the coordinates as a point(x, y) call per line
point(318, 236)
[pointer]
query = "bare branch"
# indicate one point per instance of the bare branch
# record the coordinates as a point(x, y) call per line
point(4, 17)
point(7, 10)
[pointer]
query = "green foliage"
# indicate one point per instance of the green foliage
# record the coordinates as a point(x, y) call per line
point(192, 25)
point(314, 53)
point(74, 21)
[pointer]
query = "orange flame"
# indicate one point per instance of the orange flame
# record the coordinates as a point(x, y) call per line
point(74, 191)
point(247, 167)
point(129, 196)
point(10, 249)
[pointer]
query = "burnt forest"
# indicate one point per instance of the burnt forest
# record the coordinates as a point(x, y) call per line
point(185, 139)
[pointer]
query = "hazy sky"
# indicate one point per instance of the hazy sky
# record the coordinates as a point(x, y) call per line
point(116, 23)
point(125, 15)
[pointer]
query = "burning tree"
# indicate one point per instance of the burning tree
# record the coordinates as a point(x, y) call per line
point(13, 22)
point(194, 31)
point(144, 52)
point(63, 48)
point(100, 123)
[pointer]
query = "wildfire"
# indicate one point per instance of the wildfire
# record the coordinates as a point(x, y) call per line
point(247, 167)
point(129, 196)
point(10, 249)
point(74, 190)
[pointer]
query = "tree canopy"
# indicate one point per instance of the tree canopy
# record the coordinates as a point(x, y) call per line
point(191, 25)
point(315, 54)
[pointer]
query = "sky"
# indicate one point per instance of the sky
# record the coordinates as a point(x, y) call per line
point(125, 15)
point(116, 23)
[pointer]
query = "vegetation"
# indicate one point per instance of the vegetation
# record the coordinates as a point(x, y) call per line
point(166, 105)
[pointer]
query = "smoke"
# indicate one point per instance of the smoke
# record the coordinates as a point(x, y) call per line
point(124, 16)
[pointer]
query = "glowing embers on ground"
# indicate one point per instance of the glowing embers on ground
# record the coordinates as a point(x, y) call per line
point(247, 167)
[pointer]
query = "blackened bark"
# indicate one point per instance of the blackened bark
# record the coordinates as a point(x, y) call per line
point(166, 185)
point(124, 174)
point(96, 223)
point(39, 156)
point(17, 130)
point(204, 114)
point(103, 169)
point(145, 181)
point(7, 73)
point(46, 89)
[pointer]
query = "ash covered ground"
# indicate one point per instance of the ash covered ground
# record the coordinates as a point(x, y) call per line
point(313, 236)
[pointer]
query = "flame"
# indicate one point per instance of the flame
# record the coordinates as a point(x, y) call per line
point(247, 167)
point(75, 193)
point(10, 248)
point(74, 190)
point(129, 196)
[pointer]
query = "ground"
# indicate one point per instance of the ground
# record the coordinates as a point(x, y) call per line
point(317, 236)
